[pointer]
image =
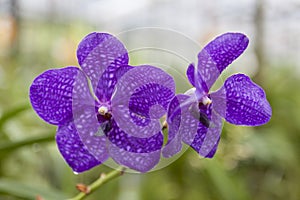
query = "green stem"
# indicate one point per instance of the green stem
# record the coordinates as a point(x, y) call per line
point(99, 182)
point(12, 113)
point(9, 146)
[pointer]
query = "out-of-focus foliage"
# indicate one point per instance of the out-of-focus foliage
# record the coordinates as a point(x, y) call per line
point(252, 163)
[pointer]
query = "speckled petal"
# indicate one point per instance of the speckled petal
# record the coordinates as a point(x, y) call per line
point(89, 131)
point(182, 123)
point(108, 80)
point(216, 56)
point(51, 94)
point(196, 80)
point(73, 150)
point(86, 121)
point(208, 134)
point(198, 127)
point(149, 101)
point(132, 104)
point(122, 70)
point(246, 102)
point(99, 55)
point(141, 162)
point(134, 144)
point(174, 144)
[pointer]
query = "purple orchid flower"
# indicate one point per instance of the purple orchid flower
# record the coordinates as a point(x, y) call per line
point(106, 108)
point(195, 117)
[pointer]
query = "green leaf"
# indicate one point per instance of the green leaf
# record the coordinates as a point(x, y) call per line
point(6, 147)
point(228, 186)
point(28, 191)
point(12, 113)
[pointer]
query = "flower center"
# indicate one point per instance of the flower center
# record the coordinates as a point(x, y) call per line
point(105, 119)
point(205, 101)
point(102, 110)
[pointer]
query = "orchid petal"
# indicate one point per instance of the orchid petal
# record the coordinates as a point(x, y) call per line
point(122, 70)
point(99, 55)
point(134, 144)
point(215, 57)
point(87, 122)
point(51, 94)
point(74, 151)
point(197, 81)
point(90, 130)
point(198, 127)
point(148, 102)
point(132, 91)
point(141, 162)
point(182, 123)
point(208, 134)
point(246, 102)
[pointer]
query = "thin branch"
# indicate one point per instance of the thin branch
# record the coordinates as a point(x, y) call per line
point(104, 178)
point(9, 146)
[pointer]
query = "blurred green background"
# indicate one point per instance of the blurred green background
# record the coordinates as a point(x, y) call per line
point(251, 163)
